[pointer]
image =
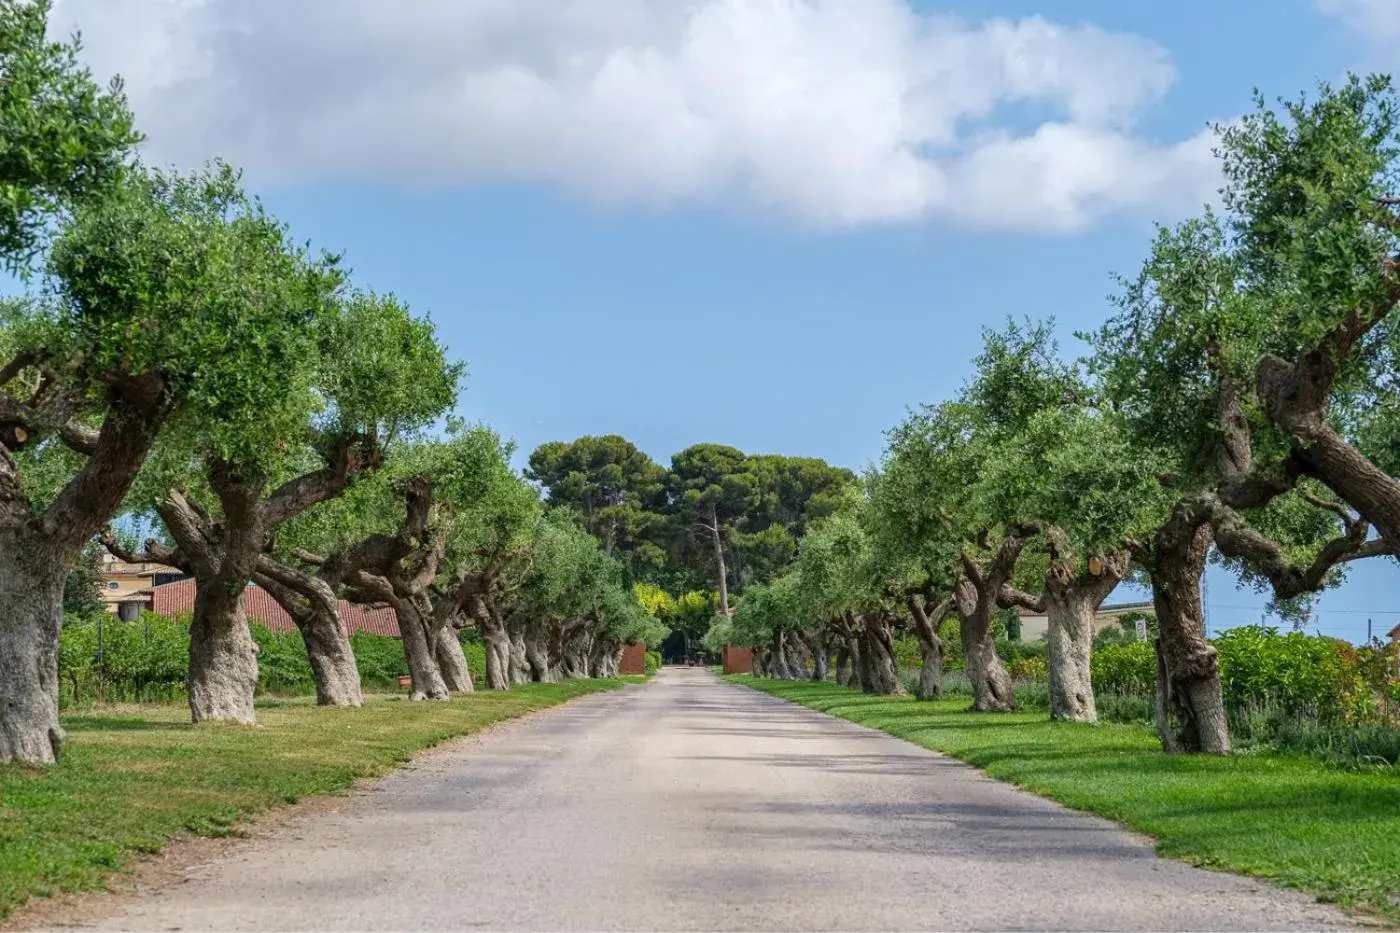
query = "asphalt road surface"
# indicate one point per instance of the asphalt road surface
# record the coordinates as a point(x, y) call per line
point(691, 804)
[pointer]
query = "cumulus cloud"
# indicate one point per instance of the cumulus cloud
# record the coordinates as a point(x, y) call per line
point(1377, 20)
point(829, 113)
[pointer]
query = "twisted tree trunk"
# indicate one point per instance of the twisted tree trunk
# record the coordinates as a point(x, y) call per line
point(1190, 707)
point(419, 649)
point(223, 672)
point(452, 660)
point(497, 652)
point(820, 658)
point(577, 645)
point(977, 595)
point(31, 587)
point(930, 647)
point(778, 667)
point(537, 654)
point(519, 663)
point(39, 544)
point(315, 611)
point(879, 649)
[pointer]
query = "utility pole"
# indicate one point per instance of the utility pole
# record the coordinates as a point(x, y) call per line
point(1368, 631)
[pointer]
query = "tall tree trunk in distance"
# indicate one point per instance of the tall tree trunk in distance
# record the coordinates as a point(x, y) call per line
point(930, 647)
point(845, 665)
point(719, 562)
point(1190, 707)
point(31, 585)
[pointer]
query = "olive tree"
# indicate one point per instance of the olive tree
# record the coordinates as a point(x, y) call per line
point(1175, 360)
point(367, 376)
point(165, 304)
point(1070, 472)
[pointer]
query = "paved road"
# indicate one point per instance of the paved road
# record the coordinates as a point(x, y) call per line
point(690, 804)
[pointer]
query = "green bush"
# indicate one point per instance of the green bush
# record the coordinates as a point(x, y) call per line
point(476, 660)
point(381, 660)
point(283, 668)
point(146, 660)
point(1302, 674)
point(1126, 670)
point(653, 662)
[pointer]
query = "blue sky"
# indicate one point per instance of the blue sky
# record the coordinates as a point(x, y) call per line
point(825, 261)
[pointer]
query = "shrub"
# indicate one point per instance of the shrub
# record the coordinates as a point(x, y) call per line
point(381, 660)
point(653, 662)
point(476, 660)
point(1299, 673)
point(1128, 670)
point(147, 660)
point(1030, 668)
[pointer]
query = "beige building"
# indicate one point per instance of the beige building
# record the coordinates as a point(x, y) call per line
point(1034, 625)
point(126, 588)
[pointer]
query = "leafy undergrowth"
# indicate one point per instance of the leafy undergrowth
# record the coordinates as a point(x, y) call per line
point(134, 777)
point(1333, 833)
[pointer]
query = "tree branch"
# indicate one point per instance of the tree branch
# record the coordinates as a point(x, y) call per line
point(297, 495)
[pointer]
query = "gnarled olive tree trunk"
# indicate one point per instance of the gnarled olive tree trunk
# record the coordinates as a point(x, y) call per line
point(1072, 599)
point(31, 586)
point(930, 646)
point(760, 666)
point(519, 661)
point(493, 633)
point(315, 611)
point(1190, 707)
point(878, 649)
point(992, 690)
point(223, 674)
point(537, 653)
point(977, 595)
point(418, 636)
point(577, 645)
point(847, 652)
point(38, 546)
point(821, 659)
point(452, 660)
point(778, 666)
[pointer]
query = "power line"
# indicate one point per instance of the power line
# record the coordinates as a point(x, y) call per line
point(1252, 608)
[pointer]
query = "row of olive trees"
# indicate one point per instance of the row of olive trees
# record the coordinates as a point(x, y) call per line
point(178, 355)
point(1239, 402)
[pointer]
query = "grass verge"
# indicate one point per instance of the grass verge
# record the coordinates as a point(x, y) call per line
point(134, 777)
point(1295, 821)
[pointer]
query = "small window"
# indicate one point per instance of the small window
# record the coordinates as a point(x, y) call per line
point(113, 584)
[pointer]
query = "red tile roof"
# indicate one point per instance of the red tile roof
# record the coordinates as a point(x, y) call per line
point(175, 598)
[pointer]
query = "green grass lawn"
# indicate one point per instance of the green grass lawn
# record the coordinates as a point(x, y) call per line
point(131, 778)
point(1296, 821)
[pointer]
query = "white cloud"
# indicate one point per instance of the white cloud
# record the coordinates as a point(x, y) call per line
point(1376, 20)
point(827, 112)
